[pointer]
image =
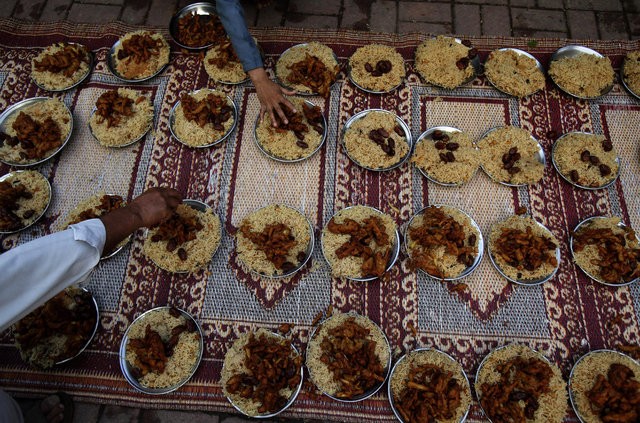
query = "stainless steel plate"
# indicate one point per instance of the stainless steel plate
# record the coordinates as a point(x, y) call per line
point(75, 84)
point(395, 248)
point(93, 333)
point(444, 357)
point(526, 282)
point(127, 369)
point(367, 90)
point(111, 64)
point(127, 144)
point(478, 233)
point(522, 53)
point(400, 122)
point(387, 365)
point(624, 80)
point(299, 159)
point(540, 157)
point(172, 122)
point(300, 265)
point(567, 178)
point(573, 254)
point(20, 107)
point(202, 9)
point(292, 50)
point(574, 51)
point(48, 185)
point(475, 63)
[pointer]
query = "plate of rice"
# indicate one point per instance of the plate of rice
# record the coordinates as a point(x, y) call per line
point(444, 242)
point(121, 117)
point(376, 69)
point(514, 72)
point(197, 26)
point(186, 241)
point(138, 56)
point(299, 139)
point(203, 118)
point(523, 250)
point(59, 330)
point(253, 356)
point(94, 207)
point(581, 72)
point(161, 350)
point(607, 250)
point(309, 68)
point(348, 357)
point(377, 139)
point(275, 241)
point(517, 383)
point(61, 66)
point(34, 130)
point(585, 160)
point(511, 156)
point(447, 62)
point(446, 156)
point(25, 196)
point(427, 383)
point(630, 73)
point(223, 65)
point(360, 243)
point(605, 385)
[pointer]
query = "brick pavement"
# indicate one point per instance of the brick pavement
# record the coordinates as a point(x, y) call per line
point(577, 19)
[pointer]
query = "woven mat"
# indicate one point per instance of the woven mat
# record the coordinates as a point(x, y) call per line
point(563, 318)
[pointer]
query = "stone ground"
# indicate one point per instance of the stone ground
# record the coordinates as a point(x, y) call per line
point(577, 19)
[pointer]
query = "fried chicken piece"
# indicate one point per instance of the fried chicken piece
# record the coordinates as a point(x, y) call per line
point(150, 352)
point(275, 240)
point(212, 109)
point(616, 397)
point(139, 48)
point(112, 107)
point(196, 30)
point(9, 196)
point(312, 73)
point(107, 204)
point(525, 250)
point(226, 54)
point(178, 230)
point(67, 61)
point(35, 138)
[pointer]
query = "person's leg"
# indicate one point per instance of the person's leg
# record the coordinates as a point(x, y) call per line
point(10, 411)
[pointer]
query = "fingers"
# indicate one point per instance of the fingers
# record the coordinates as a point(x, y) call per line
point(281, 114)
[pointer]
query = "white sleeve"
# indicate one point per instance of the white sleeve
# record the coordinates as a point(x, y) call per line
point(32, 273)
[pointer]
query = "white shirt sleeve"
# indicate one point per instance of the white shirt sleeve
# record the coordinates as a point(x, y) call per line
point(32, 273)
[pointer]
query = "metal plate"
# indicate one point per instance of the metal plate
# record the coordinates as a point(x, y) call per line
point(127, 368)
point(367, 90)
point(445, 357)
point(477, 384)
point(526, 282)
point(202, 9)
point(299, 159)
point(427, 136)
point(291, 399)
point(111, 64)
point(624, 80)
point(93, 333)
point(594, 353)
point(521, 53)
point(15, 173)
point(400, 122)
point(291, 50)
point(172, 120)
point(574, 51)
point(21, 106)
point(308, 252)
point(567, 178)
point(539, 156)
point(387, 368)
point(128, 143)
point(475, 64)
point(395, 248)
point(573, 254)
point(474, 225)
point(82, 78)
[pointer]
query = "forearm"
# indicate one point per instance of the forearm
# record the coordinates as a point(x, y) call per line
point(119, 224)
point(232, 17)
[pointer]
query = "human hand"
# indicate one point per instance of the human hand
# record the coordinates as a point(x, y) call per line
point(155, 205)
point(271, 96)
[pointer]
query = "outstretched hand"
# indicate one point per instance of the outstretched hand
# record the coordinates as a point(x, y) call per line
point(271, 96)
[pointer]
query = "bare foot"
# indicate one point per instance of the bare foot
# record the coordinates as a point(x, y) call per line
point(52, 409)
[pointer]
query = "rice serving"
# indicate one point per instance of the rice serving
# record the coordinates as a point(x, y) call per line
point(255, 258)
point(319, 372)
point(376, 154)
point(181, 363)
point(498, 144)
point(129, 128)
point(514, 73)
point(191, 133)
point(30, 207)
point(222, 64)
point(59, 74)
point(552, 405)
point(372, 55)
point(403, 371)
point(351, 266)
point(198, 251)
point(155, 54)
point(298, 54)
point(444, 62)
point(585, 75)
point(586, 159)
point(631, 71)
point(426, 156)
